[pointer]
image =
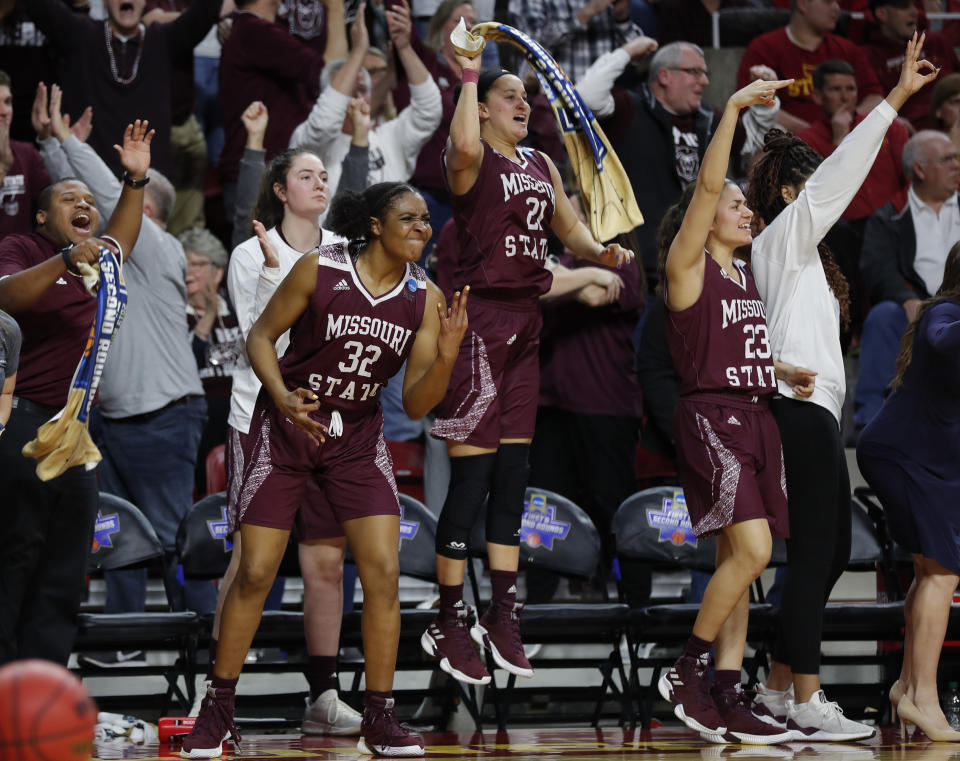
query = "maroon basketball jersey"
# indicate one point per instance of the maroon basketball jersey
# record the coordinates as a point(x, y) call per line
point(719, 343)
point(503, 224)
point(348, 344)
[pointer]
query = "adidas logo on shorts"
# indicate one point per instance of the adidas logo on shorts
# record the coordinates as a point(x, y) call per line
point(733, 421)
point(342, 286)
point(511, 339)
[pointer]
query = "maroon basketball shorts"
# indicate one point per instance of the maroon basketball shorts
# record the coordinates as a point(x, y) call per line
point(286, 477)
point(323, 526)
point(730, 462)
point(496, 379)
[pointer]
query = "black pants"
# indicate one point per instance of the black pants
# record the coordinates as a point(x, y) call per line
point(588, 459)
point(46, 531)
point(818, 550)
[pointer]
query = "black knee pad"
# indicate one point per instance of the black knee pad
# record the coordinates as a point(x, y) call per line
point(509, 486)
point(469, 484)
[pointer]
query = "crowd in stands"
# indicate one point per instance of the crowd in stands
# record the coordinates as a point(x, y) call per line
point(239, 92)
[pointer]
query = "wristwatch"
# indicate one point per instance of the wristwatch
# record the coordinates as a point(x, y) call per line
point(132, 183)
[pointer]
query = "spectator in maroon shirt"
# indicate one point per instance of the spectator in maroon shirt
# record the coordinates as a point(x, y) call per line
point(897, 20)
point(795, 50)
point(48, 525)
point(22, 173)
point(262, 61)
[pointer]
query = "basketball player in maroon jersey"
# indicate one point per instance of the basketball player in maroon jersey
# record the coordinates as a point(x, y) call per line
point(506, 200)
point(730, 462)
point(355, 313)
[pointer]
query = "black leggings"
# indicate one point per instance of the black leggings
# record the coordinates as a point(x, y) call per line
point(818, 550)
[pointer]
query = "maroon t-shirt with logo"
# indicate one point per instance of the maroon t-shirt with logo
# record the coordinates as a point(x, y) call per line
point(55, 329)
point(503, 226)
point(21, 187)
point(348, 343)
point(719, 343)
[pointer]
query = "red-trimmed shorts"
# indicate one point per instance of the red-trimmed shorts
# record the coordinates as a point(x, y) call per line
point(730, 462)
point(496, 379)
point(286, 477)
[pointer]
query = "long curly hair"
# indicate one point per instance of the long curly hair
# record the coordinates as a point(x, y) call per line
point(949, 291)
point(786, 160)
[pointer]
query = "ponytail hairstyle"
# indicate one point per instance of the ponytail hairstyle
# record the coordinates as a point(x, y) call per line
point(351, 213)
point(786, 160)
point(669, 227)
point(949, 291)
point(269, 209)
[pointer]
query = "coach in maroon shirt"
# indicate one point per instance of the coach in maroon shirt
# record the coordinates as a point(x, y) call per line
point(46, 527)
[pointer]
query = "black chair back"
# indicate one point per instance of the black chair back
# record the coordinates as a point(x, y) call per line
point(203, 545)
point(555, 534)
point(122, 536)
point(654, 526)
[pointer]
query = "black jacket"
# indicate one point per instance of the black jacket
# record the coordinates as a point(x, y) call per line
point(641, 132)
point(886, 259)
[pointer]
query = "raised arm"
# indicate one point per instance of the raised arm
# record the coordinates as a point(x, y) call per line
point(831, 188)
point(464, 153)
point(124, 224)
point(685, 263)
point(434, 351)
point(399, 25)
point(252, 166)
point(596, 82)
point(336, 46)
point(344, 81)
point(288, 303)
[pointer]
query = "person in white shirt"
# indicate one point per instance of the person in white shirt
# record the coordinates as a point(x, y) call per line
point(902, 262)
point(293, 196)
point(797, 199)
point(393, 145)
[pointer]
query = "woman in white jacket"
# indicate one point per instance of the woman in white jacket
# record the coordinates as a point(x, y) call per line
point(797, 199)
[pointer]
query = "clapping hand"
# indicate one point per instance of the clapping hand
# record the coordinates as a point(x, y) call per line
point(270, 258)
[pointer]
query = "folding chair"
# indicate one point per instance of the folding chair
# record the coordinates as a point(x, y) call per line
point(558, 536)
point(653, 526)
point(124, 538)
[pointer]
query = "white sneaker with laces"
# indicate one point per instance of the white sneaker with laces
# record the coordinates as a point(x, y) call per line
point(328, 715)
point(822, 720)
point(770, 706)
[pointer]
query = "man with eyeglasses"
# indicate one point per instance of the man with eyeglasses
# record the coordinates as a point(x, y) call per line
point(884, 45)
point(795, 50)
point(904, 251)
point(660, 130)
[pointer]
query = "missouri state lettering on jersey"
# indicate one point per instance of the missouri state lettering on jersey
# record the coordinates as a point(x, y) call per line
point(503, 226)
point(720, 342)
point(348, 343)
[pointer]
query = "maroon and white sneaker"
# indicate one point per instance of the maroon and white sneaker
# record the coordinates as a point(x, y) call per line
point(381, 733)
point(499, 631)
point(687, 685)
point(448, 638)
point(742, 726)
point(214, 725)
